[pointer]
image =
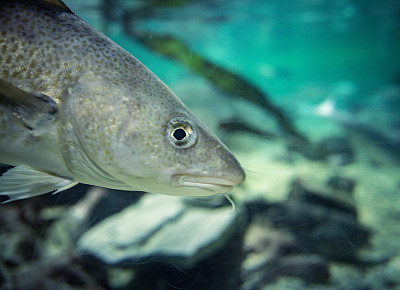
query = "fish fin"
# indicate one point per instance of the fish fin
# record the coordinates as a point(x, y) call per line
point(29, 108)
point(60, 5)
point(24, 181)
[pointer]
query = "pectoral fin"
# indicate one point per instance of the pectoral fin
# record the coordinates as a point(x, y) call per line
point(23, 181)
point(29, 108)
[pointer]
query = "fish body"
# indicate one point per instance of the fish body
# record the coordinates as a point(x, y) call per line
point(77, 108)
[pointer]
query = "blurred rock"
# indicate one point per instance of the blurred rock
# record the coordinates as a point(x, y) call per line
point(2, 277)
point(3, 198)
point(120, 278)
point(113, 202)
point(17, 249)
point(67, 223)
point(221, 270)
point(4, 168)
point(63, 233)
point(296, 238)
point(18, 238)
point(338, 150)
point(273, 253)
point(323, 223)
point(341, 183)
point(235, 125)
point(260, 237)
point(213, 201)
point(153, 229)
point(63, 272)
point(320, 196)
point(310, 268)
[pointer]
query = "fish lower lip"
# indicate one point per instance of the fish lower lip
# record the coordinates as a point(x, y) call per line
point(214, 184)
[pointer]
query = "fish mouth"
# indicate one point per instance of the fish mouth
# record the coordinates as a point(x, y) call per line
point(208, 183)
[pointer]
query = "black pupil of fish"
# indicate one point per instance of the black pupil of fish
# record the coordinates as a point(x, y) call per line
point(179, 134)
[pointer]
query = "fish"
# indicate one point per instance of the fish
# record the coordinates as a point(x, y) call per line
point(370, 143)
point(75, 108)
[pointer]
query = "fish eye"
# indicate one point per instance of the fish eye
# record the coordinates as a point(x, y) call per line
point(181, 133)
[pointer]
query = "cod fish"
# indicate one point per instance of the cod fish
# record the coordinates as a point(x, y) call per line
point(77, 108)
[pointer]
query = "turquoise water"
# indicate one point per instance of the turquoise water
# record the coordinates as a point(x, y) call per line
point(283, 45)
point(307, 41)
point(298, 52)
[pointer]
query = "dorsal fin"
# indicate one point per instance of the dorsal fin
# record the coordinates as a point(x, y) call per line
point(55, 3)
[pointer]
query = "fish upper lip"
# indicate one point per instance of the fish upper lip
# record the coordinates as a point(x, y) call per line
point(210, 183)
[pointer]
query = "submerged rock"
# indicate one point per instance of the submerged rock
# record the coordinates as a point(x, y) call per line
point(341, 183)
point(63, 233)
point(160, 228)
point(323, 222)
point(2, 276)
point(272, 253)
point(62, 272)
point(213, 201)
point(338, 150)
point(338, 200)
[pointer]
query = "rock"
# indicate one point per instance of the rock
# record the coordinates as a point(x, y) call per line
point(120, 278)
point(16, 248)
point(17, 237)
point(322, 220)
point(213, 201)
point(161, 228)
point(3, 198)
point(2, 277)
point(330, 199)
point(264, 245)
point(272, 253)
point(235, 125)
point(341, 183)
point(322, 223)
point(221, 270)
point(62, 234)
point(261, 237)
point(63, 272)
point(113, 202)
point(310, 268)
point(4, 168)
point(338, 150)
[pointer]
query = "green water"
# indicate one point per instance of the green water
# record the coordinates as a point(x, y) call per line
point(283, 45)
point(297, 52)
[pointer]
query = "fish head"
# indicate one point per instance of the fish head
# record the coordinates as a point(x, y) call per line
point(177, 156)
point(141, 134)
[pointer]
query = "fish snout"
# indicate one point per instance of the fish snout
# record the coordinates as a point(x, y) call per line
point(238, 174)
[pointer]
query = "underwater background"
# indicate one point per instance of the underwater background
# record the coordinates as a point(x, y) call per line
point(305, 93)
